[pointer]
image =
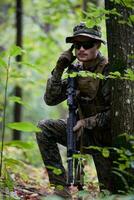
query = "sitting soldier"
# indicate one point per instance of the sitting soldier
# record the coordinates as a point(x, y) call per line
point(93, 98)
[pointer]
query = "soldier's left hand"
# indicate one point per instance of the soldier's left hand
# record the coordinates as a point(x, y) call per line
point(91, 122)
point(80, 124)
point(79, 128)
point(88, 123)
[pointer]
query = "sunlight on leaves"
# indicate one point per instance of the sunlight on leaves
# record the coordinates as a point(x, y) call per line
point(19, 144)
point(17, 100)
point(105, 152)
point(15, 51)
point(23, 126)
point(11, 162)
point(55, 170)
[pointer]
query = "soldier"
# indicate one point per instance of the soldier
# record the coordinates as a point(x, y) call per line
point(93, 98)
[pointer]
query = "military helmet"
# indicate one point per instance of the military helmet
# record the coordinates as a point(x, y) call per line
point(83, 30)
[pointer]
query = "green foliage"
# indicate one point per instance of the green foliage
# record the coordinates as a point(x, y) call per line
point(123, 152)
point(2, 62)
point(115, 74)
point(8, 182)
point(10, 163)
point(17, 100)
point(15, 160)
point(126, 3)
point(55, 170)
point(96, 15)
point(131, 18)
point(23, 126)
point(15, 51)
point(128, 75)
point(84, 74)
point(103, 150)
point(19, 144)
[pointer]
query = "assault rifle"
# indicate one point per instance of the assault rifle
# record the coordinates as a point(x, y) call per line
point(74, 166)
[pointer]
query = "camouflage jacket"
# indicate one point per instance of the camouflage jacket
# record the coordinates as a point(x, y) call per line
point(93, 94)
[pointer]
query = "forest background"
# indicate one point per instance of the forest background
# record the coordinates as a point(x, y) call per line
point(40, 29)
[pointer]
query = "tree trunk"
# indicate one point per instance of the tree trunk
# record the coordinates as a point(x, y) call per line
point(84, 5)
point(18, 89)
point(120, 37)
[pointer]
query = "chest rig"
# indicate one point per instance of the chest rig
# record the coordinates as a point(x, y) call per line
point(89, 92)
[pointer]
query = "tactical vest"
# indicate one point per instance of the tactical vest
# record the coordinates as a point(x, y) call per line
point(89, 96)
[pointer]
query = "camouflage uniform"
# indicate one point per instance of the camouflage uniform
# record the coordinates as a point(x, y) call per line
point(93, 101)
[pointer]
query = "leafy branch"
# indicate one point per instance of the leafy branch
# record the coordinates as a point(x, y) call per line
point(4, 113)
point(13, 52)
point(128, 75)
point(24, 126)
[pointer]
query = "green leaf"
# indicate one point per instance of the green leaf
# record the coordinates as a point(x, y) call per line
point(122, 166)
point(105, 152)
point(19, 144)
point(32, 66)
point(119, 175)
point(84, 74)
point(116, 74)
point(8, 182)
point(131, 56)
point(129, 75)
point(100, 76)
point(15, 51)
point(72, 74)
point(2, 63)
point(23, 126)
point(80, 156)
point(131, 18)
point(17, 100)
point(10, 162)
point(87, 74)
point(55, 170)
point(94, 148)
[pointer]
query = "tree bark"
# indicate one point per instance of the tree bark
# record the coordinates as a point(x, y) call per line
point(18, 89)
point(84, 5)
point(120, 39)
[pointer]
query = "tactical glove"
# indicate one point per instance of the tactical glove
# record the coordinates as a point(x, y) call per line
point(65, 59)
point(80, 124)
point(88, 123)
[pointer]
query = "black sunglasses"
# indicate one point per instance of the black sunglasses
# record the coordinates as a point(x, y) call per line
point(85, 45)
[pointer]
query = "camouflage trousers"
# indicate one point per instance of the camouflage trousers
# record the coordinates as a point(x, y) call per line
point(53, 132)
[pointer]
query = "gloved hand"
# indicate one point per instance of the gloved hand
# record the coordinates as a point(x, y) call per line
point(65, 59)
point(91, 122)
point(88, 123)
point(80, 124)
point(79, 128)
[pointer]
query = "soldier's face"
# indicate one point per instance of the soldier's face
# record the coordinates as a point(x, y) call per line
point(85, 49)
